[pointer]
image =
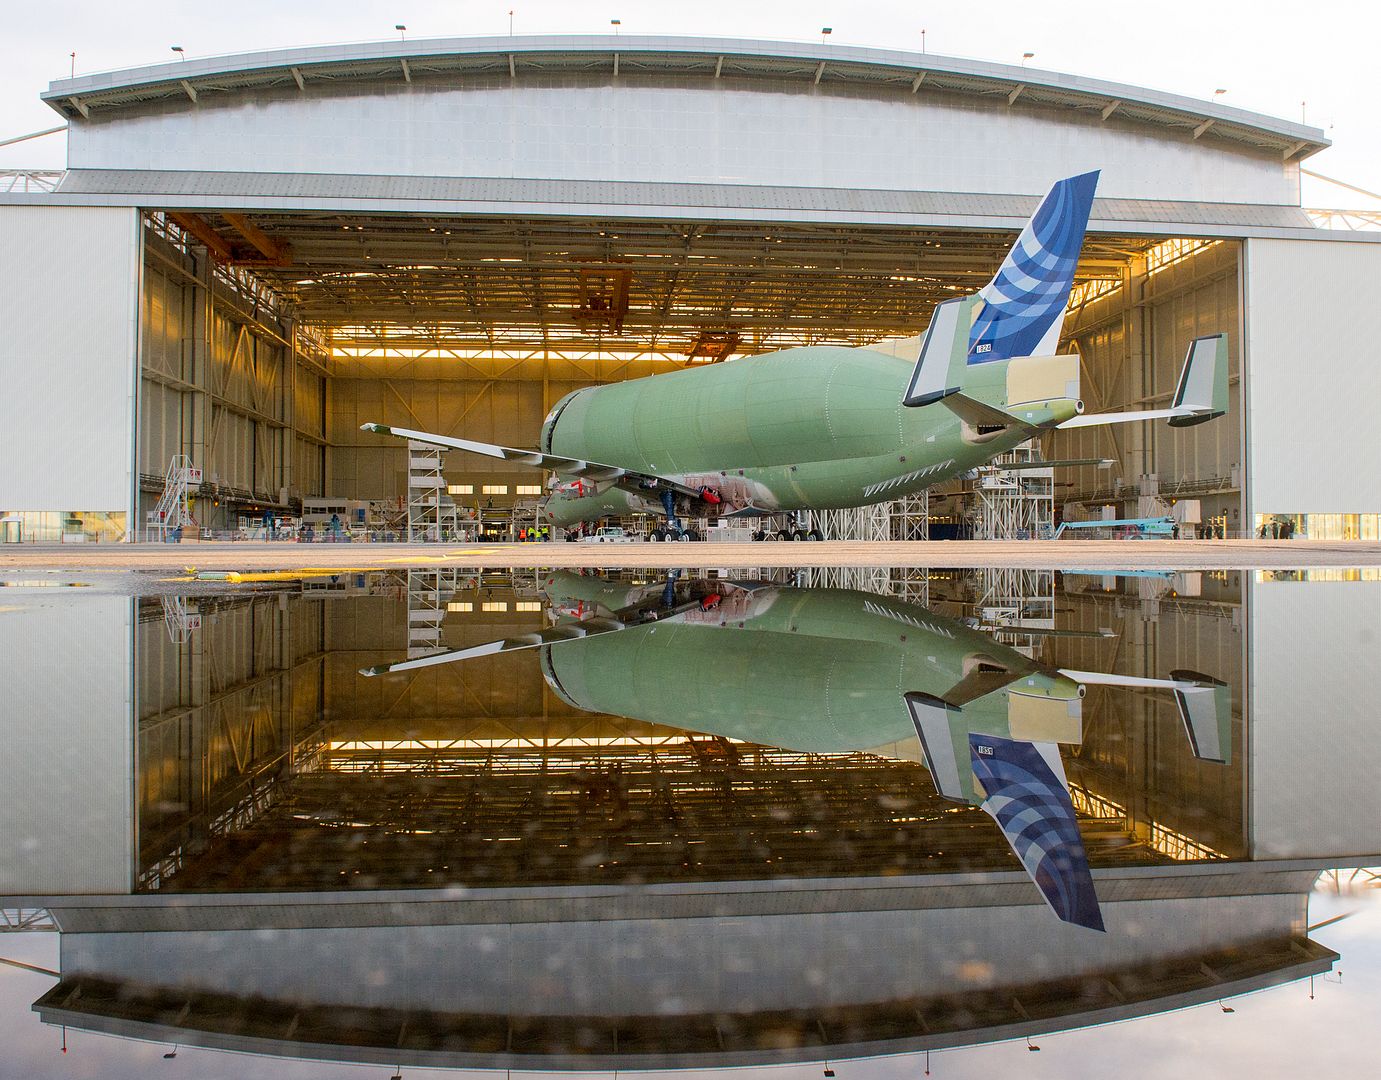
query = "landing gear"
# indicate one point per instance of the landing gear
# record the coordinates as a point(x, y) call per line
point(800, 529)
point(657, 535)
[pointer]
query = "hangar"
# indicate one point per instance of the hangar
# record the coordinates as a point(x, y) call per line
point(249, 256)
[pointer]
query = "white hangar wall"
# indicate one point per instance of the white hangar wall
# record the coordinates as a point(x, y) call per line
point(66, 767)
point(68, 326)
point(1313, 790)
point(1313, 377)
point(685, 131)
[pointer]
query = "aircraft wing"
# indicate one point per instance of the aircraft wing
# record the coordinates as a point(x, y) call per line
point(593, 471)
point(649, 609)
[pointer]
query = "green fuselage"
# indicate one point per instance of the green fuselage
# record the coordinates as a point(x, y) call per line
point(820, 670)
point(813, 428)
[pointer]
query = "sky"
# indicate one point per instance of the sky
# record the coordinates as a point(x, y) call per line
point(1289, 60)
point(1277, 1032)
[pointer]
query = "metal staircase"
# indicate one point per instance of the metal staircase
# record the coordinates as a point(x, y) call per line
point(173, 510)
point(432, 516)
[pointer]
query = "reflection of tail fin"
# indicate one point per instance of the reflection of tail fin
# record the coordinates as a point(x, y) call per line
point(1028, 797)
point(1206, 711)
point(1024, 305)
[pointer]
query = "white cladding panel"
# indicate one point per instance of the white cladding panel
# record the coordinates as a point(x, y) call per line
point(68, 323)
point(733, 132)
point(1314, 377)
point(65, 821)
point(1315, 757)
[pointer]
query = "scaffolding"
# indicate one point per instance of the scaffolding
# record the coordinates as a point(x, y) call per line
point(173, 511)
point(901, 519)
point(179, 619)
point(432, 515)
point(429, 591)
point(1015, 605)
point(1013, 497)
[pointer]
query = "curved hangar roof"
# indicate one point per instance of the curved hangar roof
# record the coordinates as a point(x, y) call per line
point(743, 123)
point(106, 93)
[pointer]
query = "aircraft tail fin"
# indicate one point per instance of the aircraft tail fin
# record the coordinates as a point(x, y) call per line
point(1028, 796)
point(1024, 304)
point(1017, 316)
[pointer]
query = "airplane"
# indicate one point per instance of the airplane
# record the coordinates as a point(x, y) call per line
point(828, 427)
point(835, 671)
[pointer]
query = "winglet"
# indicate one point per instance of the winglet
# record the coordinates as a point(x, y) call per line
point(940, 369)
point(944, 743)
point(378, 429)
point(1203, 385)
point(1205, 707)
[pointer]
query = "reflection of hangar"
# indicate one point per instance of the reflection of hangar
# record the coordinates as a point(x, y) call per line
point(451, 235)
point(224, 763)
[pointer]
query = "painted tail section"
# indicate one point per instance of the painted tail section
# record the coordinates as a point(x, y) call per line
point(1028, 796)
point(1013, 323)
point(1024, 305)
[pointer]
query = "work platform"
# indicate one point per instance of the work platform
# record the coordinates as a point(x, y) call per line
point(1045, 554)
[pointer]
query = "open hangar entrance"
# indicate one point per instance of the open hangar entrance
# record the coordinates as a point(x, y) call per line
point(268, 337)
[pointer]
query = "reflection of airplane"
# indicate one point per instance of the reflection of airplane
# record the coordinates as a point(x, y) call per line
point(835, 671)
point(823, 427)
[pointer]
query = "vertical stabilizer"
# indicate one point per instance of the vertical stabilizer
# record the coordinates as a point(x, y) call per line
point(1031, 804)
point(1024, 304)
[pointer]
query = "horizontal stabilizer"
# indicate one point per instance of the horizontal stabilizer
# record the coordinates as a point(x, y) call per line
point(1204, 704)
point(1200, 395)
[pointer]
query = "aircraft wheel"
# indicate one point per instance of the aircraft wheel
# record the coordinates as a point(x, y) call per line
point(783, 535)
point(816, 534)
point(685, 537)
point(799, 534)
point(657, 535)
point(692, 535)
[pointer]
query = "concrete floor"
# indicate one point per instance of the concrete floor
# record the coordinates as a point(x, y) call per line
point(1049, 554)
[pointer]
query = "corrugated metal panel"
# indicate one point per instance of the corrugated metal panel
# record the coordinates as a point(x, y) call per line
point(224, 188)
point(1313, 378)
point(68, 315)
point(65, 824)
